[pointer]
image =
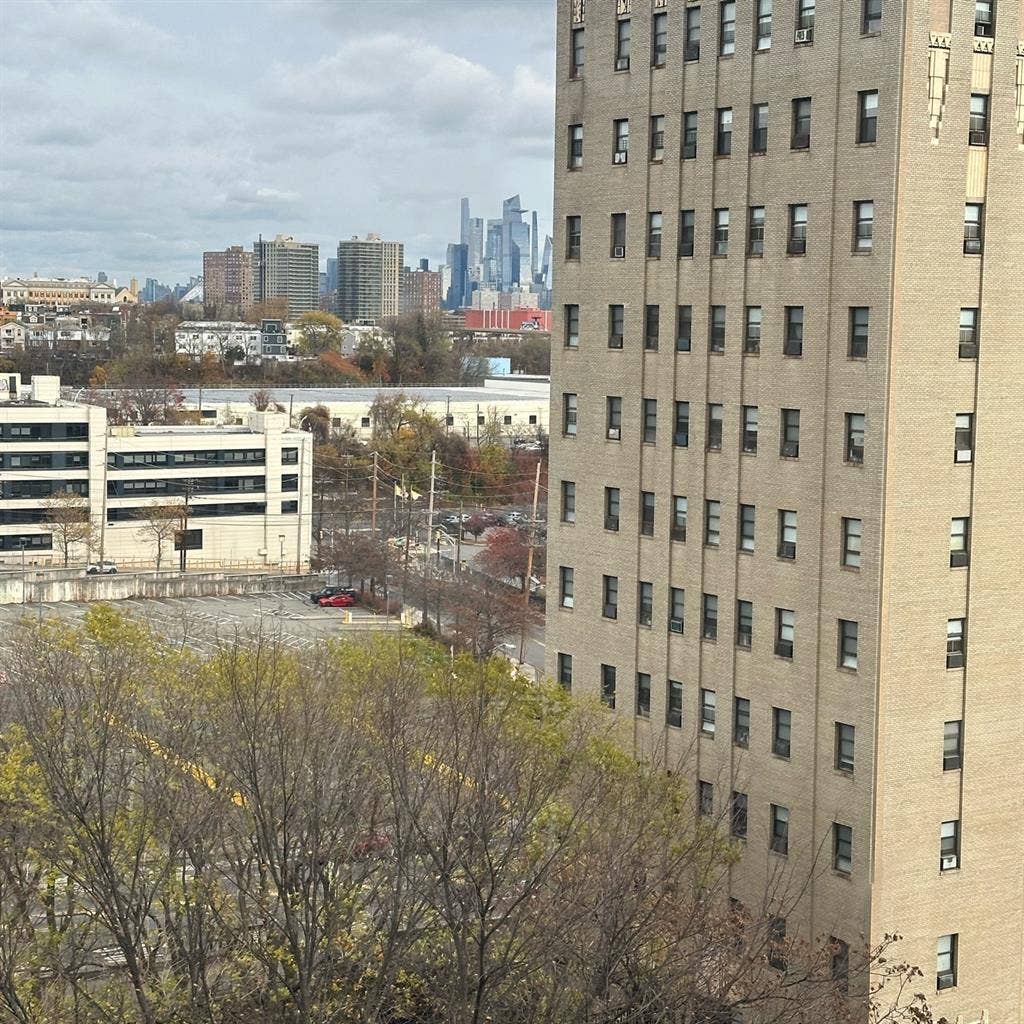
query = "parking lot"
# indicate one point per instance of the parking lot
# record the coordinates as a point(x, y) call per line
point(202, 621)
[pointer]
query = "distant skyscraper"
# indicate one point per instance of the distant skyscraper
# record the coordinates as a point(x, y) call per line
point(545, 265)
point(464, 227)
point(458, 290)
point(533, 248)
point(101, 277)
point(228, 277)
point(515, 244)
point(492, 253)
point(369, 278)
point(287, 269)
point(476, 245)
point(332, 274)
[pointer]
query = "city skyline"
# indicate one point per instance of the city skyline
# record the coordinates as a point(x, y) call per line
point(197, 163)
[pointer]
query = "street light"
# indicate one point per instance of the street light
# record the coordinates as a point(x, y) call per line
point(280, 537)
point(21, 544)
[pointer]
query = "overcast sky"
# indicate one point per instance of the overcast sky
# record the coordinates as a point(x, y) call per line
point(134, 135)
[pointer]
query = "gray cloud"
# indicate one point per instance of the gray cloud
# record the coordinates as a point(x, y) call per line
point(163, 135)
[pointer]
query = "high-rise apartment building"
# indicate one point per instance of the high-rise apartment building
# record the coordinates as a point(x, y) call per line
point(787, 496)
point(228, 277)
point(287, 269)
point(369, 278)
point(421, 289)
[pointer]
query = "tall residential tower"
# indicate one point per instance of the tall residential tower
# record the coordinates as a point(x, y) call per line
point(287, 269)
point(787, 427)
point(369, 278)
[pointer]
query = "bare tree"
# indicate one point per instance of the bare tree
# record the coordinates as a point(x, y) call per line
point(67, 515)
point(159, 523)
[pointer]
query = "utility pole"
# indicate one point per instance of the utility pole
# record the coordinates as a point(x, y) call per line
point(430, 503)
point(182, 555)
point(373, 508)
point(458, 541)
point(21, 544)
point(529, 563)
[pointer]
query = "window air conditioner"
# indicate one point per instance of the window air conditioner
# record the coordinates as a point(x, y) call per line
point(675, 625)
point(803, 35)
point(613, 433)
point(620, 157)
point(619, 252)
point(948, 863)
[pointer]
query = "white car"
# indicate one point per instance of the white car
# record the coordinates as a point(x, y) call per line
point(101, 569)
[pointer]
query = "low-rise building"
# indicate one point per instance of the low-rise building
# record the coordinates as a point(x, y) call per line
point(233, 340)
point(53, 291)
point(238, 495)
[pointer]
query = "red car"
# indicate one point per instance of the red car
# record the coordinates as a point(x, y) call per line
point(337, 601)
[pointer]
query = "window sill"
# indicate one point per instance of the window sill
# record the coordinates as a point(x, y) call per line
point(865, 145)
point(839, 873)
point(719, 255)
point(847, 670)
point(843, 773)
point(782, 657)
point(745, 551)
point(871, 35)
point(755, 255)
point(706, 735)
point(565, 608)
point(778, 853)
point(758, 152)
point(862, 252)
point(657, 160)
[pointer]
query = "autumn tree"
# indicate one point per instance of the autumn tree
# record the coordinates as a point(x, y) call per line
point(260, 399)
point(506, 554)
point(67, 515)
point(319, 332)
point(317, 420)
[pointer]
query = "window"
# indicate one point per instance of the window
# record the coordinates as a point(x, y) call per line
point(785, 630)
point(759, 128)
point(738, 815)
point(721, 239)
point(867, 116)
point(850, 556)
point(712, 523)
point(192, 540)
point(654, 235)
point(576, 53)
point(659, 39)
point(956, 643)
point(863, 225)
point(286, 507)
point(723, 132)
point(763, 33)
point(566, 586)
point(855, 438)
point(608, 686)
point(749, 437)
point(643, 695)
point(610, 597)
point(679, 509)
point(613, 429)
point(568, 501)
point(657, 136)
point(565, 672)
point(573, 237)
point(959, 541)
point(748, 515)
point(844, 747)
point(650, 420)
point(674, 704)
point(684, 328)
point(977, 133)
point(744, 624)
point(676, 609)
point(860, 319)
point(691, 49)
point(741, 722)
point(575, 146)
point(716, 329)
point(847, 644)
point(945, 955)
point(616, 326)
point(714, 434)
point(647, 513)
point(707, 712)
point(777, 941)
point(652, 328)
point(755, 231)
point(949, 846)
point(681, 433)
point(570, 407)
point(804, 21)
point(687, 229)
point(622, 45)
point(984, 20)
point(963, 437)
point(706, 798)
point(727, 28)
point(870, 17)
point(689, 145)
point(618, 246)
point(952, 747)
point(620, 139)
point(709, 617)
point(796, 244)
point(793, 342)
point(787, 533)
point(968, 334)
point(842, 848)
point(780, 829)
point(612, 507)
point(789, 441)
point(801, 136)
point(782, 728)
point(572, 326)
point(973, 218)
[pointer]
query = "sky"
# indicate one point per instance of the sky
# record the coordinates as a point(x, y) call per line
point(136, 135)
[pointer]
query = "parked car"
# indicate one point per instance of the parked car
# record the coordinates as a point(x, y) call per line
point(339, 600)
point(331, 591)
point(101, 569)
point(514, 517)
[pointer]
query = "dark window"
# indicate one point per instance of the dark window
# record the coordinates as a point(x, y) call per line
point(755, 231)
point(759, 128)
point(741, 722)
point(657, 137)
point(946, 950)
point(616, 326)
point(963, 437)
point(622, 45)
point(789, 440)
point(674, 704)
point(289, 507)
point(871, 17)
point(691, 50)
point(785, 632)
point(645, 603)
point(848, 634)
point(647, 513)
point(681, 431)
point(706, 798)
point(804, 21)
point(576, 53)
point(620, 141)
point(777, 942)
point(723, 134)
point(780, 829)
point(654, 235)
point(863, 225)
point(787, 533)
point(796, 243)
point(575, 146)
point(570, 410)
point(614, 418)
point(679, 510)
point(845, 735)
point(618, 244)
point(842, 848)
point(749, 437)
point(643, 695)
point(744, 624)
point(191, 540)
point(793, 342)
point(572, 326)
point(850, 555)
point(689, 145)
point(565, 672)
point(747, 527)
point(720, 246)
point(855, 426)
point(714, 433)
point(566, 586)
point(738, 815)
point(684, 328)
point(707, 712)
point(659, 39)
point(610, 597)
point(716, 329)
point(952, 747)
point(867, 116)
point(712, 523)
point(573, 237)
point(650, 420)
point(860, 319)
point(568, 501)
point(612, 508)
point(27, 542)
point(801, 135)
point(687, 229)
point(709, 617)
point(652, 327)
point(959, 541)
point(956, 643)
point(968, 348)
point(763, 26)
point(974, 214)
point(949, 845)
point(782, 731)
point(676, 609)
point(984, 17)
point(977, 134)
point(727, 28)
point(608, 686)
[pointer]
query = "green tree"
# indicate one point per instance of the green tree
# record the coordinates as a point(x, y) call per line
point(319, 332)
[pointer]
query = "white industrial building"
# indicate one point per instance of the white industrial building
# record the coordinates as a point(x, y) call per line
point(240, 494)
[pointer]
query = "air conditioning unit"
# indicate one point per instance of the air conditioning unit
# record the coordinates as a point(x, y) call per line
point(567, 601)
point(620, 156)
point(619, 252)
point(803, 35)
point(613, 433)
point(675, 625)
point(949, 863)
